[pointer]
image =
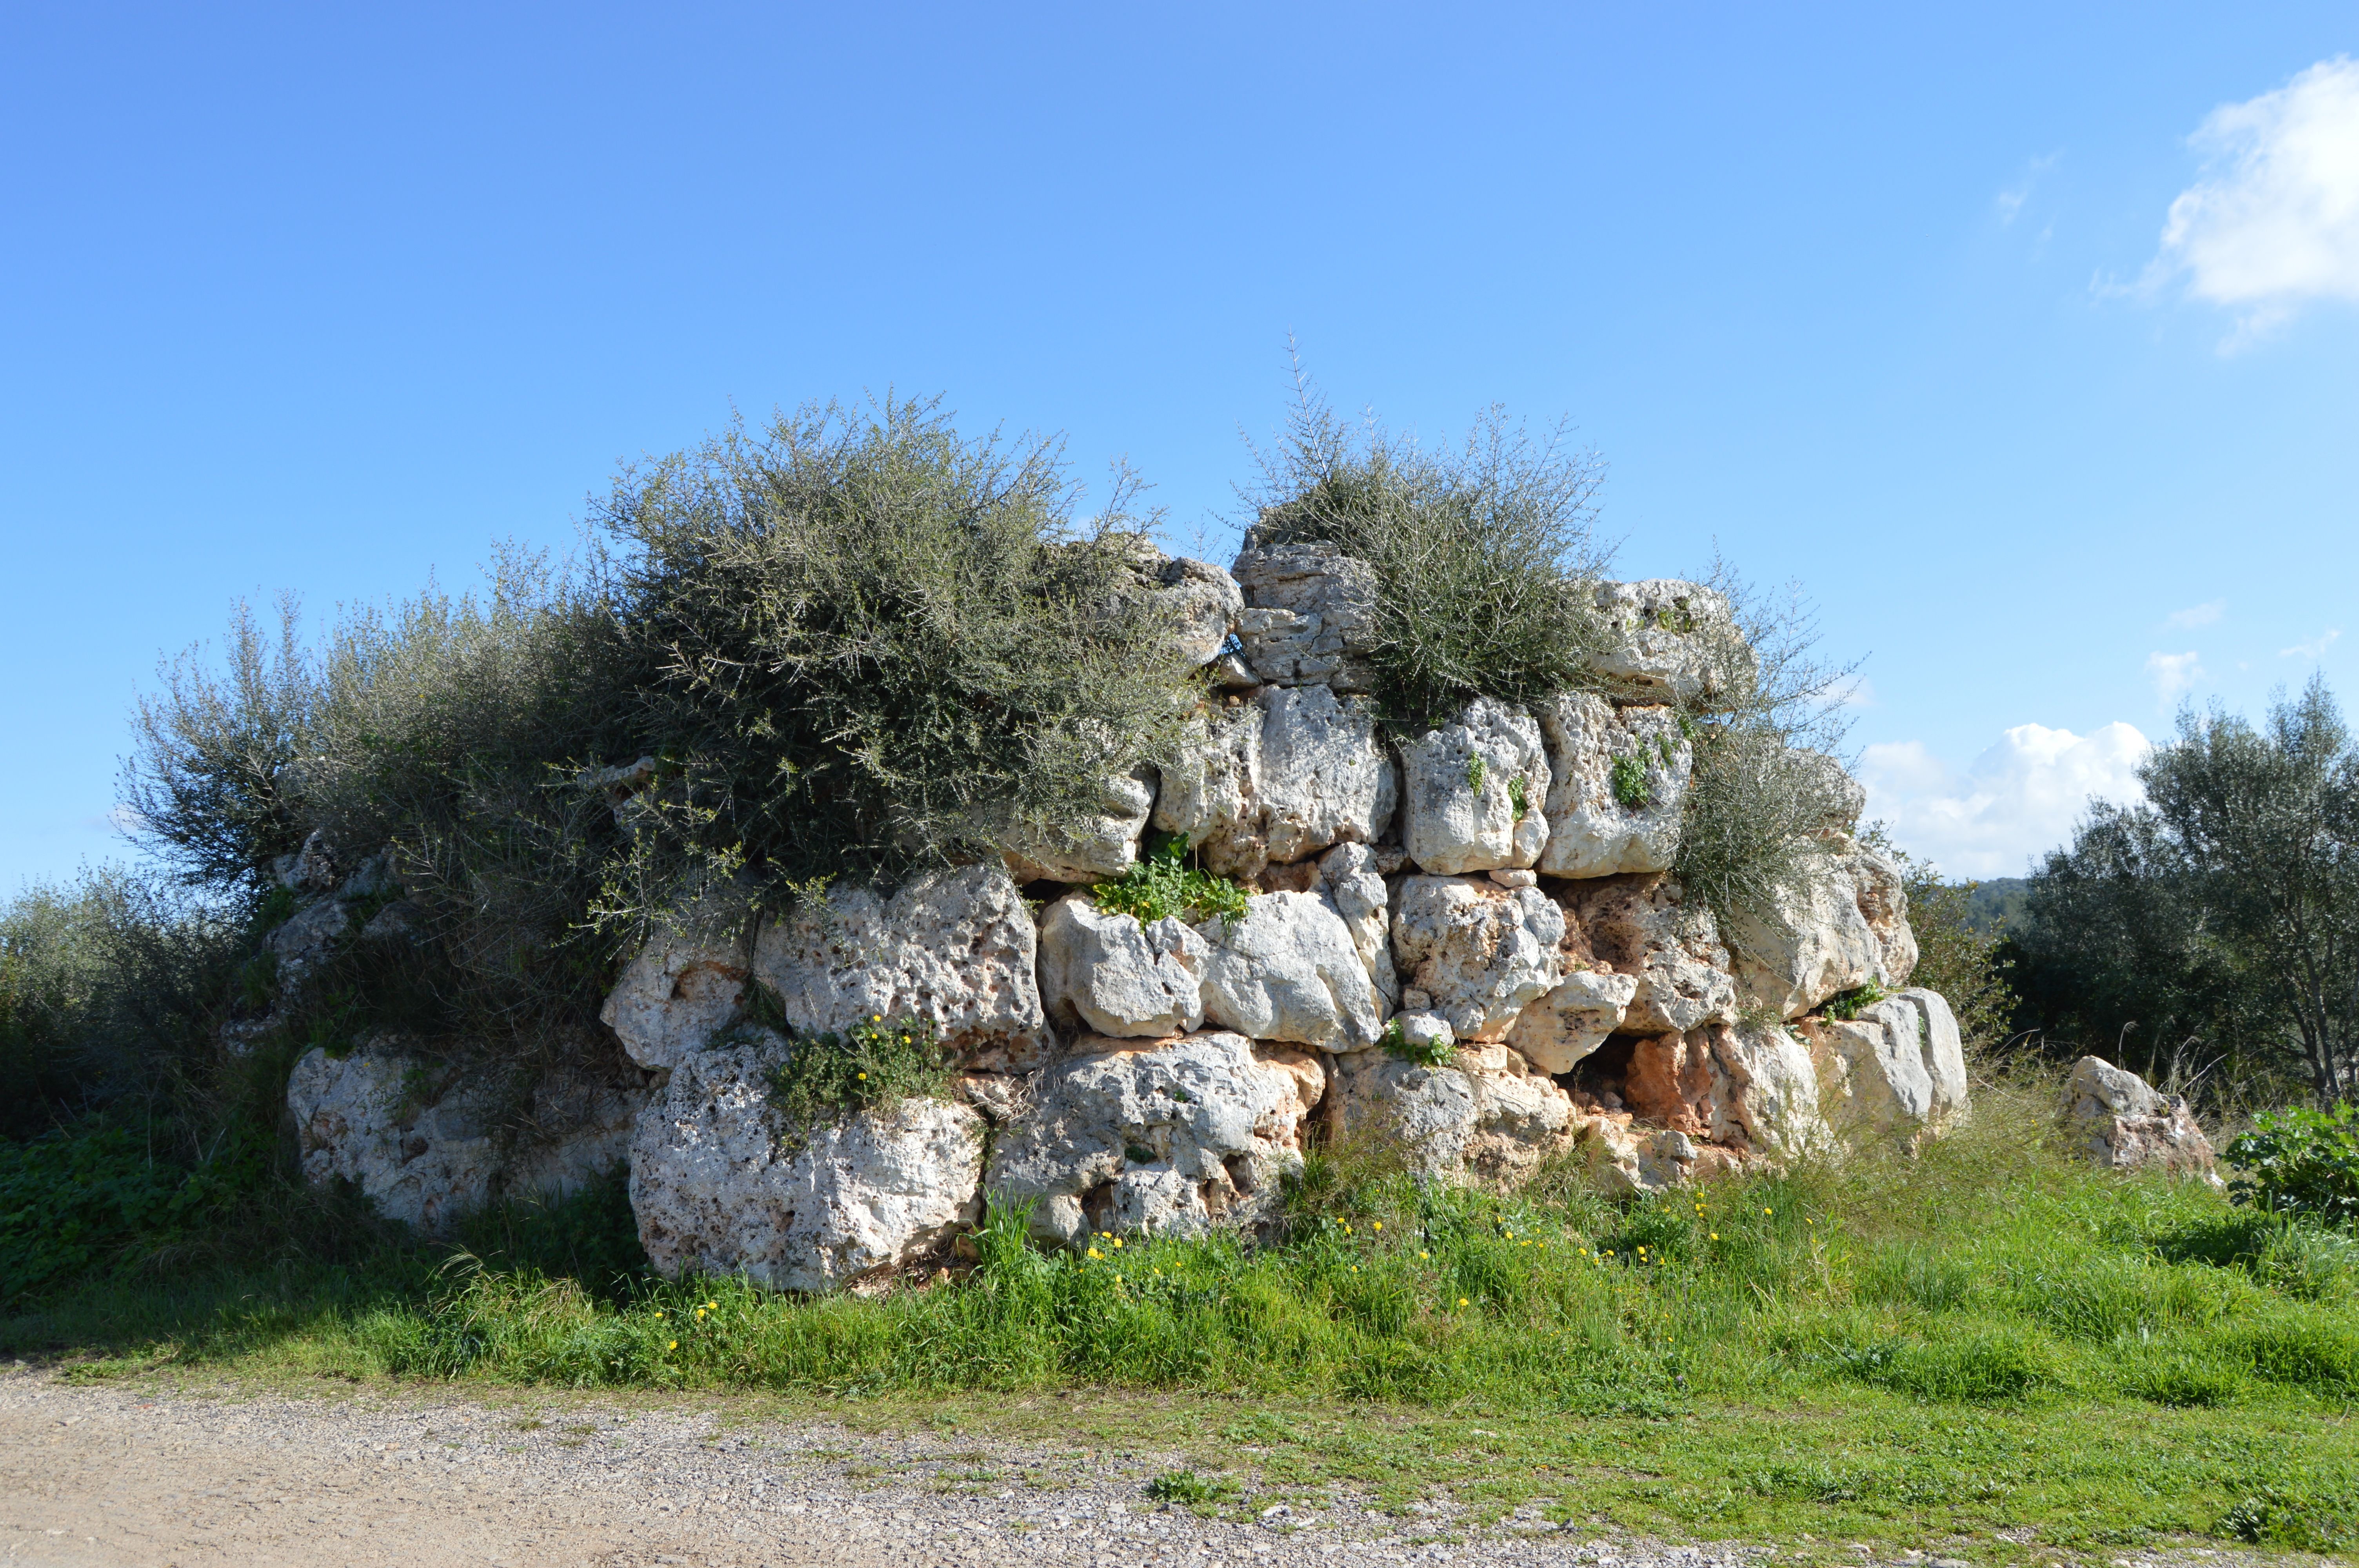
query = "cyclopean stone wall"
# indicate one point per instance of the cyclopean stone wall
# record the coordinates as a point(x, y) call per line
point(1469, 942)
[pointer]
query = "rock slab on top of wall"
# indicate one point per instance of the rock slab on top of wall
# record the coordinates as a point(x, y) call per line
point(1281, 776)
point(1309, 615)
point(956, 949)
point(722, 1185)
point(1474, 792)
point(2119, 1120)
point(1167, 1139)
point(1592, 832)
point(1669, 641)
point(1475, 953)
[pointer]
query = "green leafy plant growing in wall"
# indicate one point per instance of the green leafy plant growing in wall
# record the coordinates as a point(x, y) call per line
point(874, 1064)
point(1848, 1005)
point(1475, 770)
point(1630, 786)
point(1424, 1053)
point(1520, 794)
point(1163, 883)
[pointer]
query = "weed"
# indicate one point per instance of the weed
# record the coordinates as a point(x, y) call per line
point(871, 1065)
point(1187, 1487)
point(1630, 786)
point(1161, 884)
point(1519, 794)
point(1432, 1051)
point(1848, 1005)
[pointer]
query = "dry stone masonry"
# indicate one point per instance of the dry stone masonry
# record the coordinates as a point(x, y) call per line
point(1467, 942)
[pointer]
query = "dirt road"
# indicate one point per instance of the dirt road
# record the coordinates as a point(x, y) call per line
point(109, 1475)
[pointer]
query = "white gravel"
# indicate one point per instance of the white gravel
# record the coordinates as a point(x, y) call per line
point(109, 1474)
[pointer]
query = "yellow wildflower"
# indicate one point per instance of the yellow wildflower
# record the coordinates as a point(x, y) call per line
point(1117, 1241)
point(1379, 1225)
point(1461, 1300)
point(1715, 1236)
point(1425, 1254)
point(673, 1346)
point(864, 1078)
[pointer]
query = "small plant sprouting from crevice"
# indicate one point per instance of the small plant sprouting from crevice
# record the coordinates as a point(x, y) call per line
point(1428, 1053)
point(1475, 771)
point(1520, 794)
point(1163, 883)
point(1848, 1005)
point(871, 1065)
point(1630, 786)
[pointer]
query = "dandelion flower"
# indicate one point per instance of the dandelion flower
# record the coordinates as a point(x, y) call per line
point(864, 1078)
point(1765, 1211)
point(1461, 1300)
point(1425, 1254)
point(1378, 1225)
point(673, 1346)
point(1355, 1268)
point(659, 1314)
point(1715, 1236)
point(1117, 1241)
point(875, 1017)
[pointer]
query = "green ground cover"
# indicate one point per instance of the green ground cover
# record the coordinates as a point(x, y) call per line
point(1985, 1344)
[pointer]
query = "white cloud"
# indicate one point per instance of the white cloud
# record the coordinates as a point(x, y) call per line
point(2009, 201)
point(2274, 222)
point(2313, 649)
point(2173, 673)
point(2020, 798)
point(2195, 615)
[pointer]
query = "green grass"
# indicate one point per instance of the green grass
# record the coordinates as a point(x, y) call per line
point(1987, 1338)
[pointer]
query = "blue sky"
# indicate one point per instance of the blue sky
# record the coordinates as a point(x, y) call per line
point(2026, 339)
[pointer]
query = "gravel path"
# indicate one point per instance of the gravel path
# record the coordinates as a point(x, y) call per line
point(109, 1475)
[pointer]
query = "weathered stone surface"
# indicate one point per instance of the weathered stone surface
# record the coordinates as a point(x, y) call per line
point(1642, 926)
point(425, 1146)
point(308, 938)
point(1289, 971)
point(1461, 786)
point(722, 1185)
point(1844, 795)
point(1310, 614)
point(1591, 832)
point(675, 996)
point(1572, 1021)
point(1204, 601)
point(1279, 777)
point(1168, 1139)
point(2118, 1120)
point(1094, 848)
point(1116, 977)
point(1819, 942)
point(1669, 641)
point(1623, 1158)
point(1480, 953)
point(1486, 1117)
point(1355, 886)
point(1745, 1092)
point(312, 868)
point(1896, 1069)
point(952, 948)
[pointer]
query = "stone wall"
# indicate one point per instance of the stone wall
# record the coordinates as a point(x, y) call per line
point(1467, 942)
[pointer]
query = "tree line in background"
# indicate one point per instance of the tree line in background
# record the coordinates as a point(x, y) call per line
point(2207, 938)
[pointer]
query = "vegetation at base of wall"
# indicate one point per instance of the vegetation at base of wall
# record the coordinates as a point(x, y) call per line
point(1984, 1335)
point(1161, 884)
point(2301, 1162)
point(872, 1065)
point(1483, 557)
point(2206, 937)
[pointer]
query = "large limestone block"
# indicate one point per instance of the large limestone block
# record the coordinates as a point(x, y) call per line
point(953, 949)
point(1819, 941)
point(722, 1185)
point(1572, 1021)
point(1896, 1069)
point(1669, 641)
point(1744, 1091)
point(1642, 926)
point(1486, 1117)
point(1309, 615)
point(1480, 953)
point(1290, 971)
point(1622, 1158)
point(2118, 1120)
point(1279, 777)
point(1092, 848)
point(674, 996)
point(304, 942)
point(1590, 831)
point(1116, 976)
point(425, 1145)
point(1204, 602)
point(1356, 885)
point(1474, 792)
point(1169, 1138)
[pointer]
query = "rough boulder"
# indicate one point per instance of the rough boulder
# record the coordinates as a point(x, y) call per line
point(2119, 1120)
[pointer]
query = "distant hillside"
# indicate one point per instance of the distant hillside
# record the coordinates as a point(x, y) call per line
point(1995, 904)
